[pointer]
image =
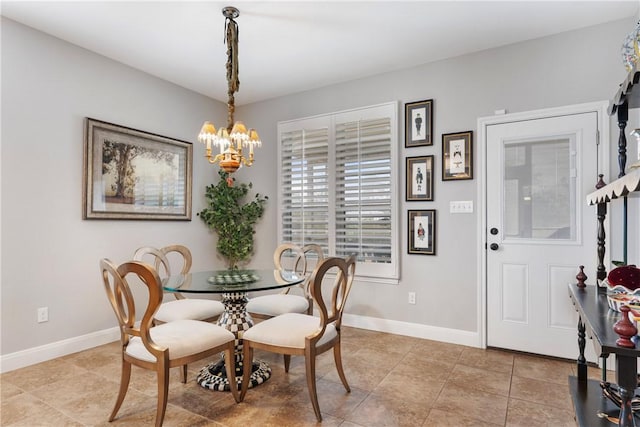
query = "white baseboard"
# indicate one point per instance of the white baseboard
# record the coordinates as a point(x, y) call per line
point(453, 336)
point(31, 356)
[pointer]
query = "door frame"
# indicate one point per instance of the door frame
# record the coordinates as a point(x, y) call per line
point(600, 108)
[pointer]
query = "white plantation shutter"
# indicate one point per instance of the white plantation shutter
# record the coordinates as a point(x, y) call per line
point(363, 190)
point(304, 188)
point(338, 186)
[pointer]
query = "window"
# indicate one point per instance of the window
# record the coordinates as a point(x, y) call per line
point(338, 186)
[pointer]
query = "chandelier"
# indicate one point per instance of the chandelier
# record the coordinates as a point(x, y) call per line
point(231, 139)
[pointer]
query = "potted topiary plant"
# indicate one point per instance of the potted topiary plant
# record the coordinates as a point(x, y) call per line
point(232, 219)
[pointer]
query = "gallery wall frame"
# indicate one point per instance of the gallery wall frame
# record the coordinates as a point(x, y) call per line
point(457, 156)
point(418, 123)
point(132, 174)
point(422, 231)
point(419, 173)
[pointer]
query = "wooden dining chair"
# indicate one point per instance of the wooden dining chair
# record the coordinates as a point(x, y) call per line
point(296, 334)
point(289, 257)
point(158, 348)
point(181, 308)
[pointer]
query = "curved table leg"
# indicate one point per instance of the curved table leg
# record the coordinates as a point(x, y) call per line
point(237, 320)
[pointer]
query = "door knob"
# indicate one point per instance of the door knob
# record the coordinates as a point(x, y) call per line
point(494, 246)
point(493, 231)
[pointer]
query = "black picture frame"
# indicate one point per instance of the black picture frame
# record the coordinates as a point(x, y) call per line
point(459, 146)
point(419, 178)
point(418, 123)
point(421, 228)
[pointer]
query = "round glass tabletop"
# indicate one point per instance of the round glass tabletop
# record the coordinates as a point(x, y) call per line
point(222, 281)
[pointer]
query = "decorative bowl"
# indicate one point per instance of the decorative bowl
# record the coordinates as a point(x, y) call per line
point(627, 276)
point(619, 299)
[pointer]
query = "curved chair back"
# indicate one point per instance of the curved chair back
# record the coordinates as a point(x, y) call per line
point(161, 260)
point(182, 252)
point(289, 257)
point(313, 256)
point(123, 303)
point(155, 257)
point(331, 310)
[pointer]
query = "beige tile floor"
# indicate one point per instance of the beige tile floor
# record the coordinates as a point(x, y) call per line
point(395, 381)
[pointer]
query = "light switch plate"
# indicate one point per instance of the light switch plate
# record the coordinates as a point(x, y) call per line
point(461, 206)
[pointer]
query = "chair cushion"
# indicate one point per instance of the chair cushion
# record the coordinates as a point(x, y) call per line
point(277, 304)
point(182, 338)
point(192, 309)
point(288, 330)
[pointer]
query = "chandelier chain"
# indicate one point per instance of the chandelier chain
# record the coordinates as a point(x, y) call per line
point(231, 39)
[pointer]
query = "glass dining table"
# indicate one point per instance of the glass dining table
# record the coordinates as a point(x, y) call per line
point(233, 286)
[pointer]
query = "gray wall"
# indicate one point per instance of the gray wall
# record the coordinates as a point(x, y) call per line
point(50, 255)
point(569, 68)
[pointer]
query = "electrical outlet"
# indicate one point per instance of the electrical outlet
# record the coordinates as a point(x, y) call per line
point(43, 314)
point(412, 297)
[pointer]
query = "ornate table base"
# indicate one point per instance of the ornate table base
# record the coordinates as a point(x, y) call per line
point(214, 376)
point(237, 320)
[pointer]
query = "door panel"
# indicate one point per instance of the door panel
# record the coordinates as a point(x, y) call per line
point(537, 173)
point(515, 300)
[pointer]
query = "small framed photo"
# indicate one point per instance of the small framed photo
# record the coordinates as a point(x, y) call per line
point(457, 156)
point(131, 174)
point(419, 172)
point(422, 232)
point(418, 128)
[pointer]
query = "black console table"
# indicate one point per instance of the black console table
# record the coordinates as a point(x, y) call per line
point(596, 321)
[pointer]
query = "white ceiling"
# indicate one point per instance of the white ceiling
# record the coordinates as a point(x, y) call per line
point(287, 47)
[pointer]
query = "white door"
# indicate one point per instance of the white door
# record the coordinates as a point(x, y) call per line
point(539, 229)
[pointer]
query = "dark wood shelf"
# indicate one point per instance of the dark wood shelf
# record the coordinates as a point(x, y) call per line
point(588, 401)
point(598, 321)
point(594, 310)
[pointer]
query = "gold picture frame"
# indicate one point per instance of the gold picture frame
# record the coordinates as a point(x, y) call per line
point(422, 231)
point(132, 174)
point(418, 123)
point(457, 156)
point(419, 178)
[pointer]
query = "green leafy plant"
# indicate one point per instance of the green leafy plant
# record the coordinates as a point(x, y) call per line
point(232, 219)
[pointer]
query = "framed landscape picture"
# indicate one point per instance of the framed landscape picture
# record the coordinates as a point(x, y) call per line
point(419, 178)
point(457, 156)
point(131, 174)
point(418, 126)
point(422, 232)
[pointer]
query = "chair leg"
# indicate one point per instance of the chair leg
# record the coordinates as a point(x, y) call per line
point(287, 362)
point(247, 360)
point(310, 362)
point(163, 390)
point(183, 374)
point(337, 356)
point(230, 366)
point(125, 376)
